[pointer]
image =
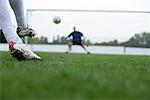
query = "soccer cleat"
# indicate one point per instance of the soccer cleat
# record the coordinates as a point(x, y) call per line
point(22, 52)
point(26, 32)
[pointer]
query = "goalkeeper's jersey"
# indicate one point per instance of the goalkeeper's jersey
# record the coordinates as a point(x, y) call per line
point(76, 36)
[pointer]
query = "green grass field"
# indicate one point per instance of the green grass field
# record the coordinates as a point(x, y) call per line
point(75, 76)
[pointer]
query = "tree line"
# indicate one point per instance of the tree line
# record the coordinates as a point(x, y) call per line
point(138, 40)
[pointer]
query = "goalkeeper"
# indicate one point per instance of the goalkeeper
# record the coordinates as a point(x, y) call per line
point(77, 38)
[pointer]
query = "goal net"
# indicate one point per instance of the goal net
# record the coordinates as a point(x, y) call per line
point(97, 26)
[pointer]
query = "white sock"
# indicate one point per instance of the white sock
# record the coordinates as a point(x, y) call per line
point(8, 22)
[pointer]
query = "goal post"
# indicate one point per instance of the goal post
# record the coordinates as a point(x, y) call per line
point(98, 22)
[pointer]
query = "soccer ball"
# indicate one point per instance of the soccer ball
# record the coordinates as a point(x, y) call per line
point(56, 20)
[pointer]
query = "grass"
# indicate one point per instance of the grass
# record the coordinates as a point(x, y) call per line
point(75, 76)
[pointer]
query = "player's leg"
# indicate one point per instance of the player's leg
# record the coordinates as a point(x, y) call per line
point(8, 25)
point(84, 48)
point(23, 29)
point(18, 8)
point(69, 46)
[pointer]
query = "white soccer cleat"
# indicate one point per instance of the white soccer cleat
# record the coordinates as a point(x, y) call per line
point(22, 52)
point(26, 32)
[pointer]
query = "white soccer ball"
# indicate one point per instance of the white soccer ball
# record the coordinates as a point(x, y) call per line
point(56, 19)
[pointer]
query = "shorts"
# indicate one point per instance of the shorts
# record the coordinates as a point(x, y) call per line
point(76, 43)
